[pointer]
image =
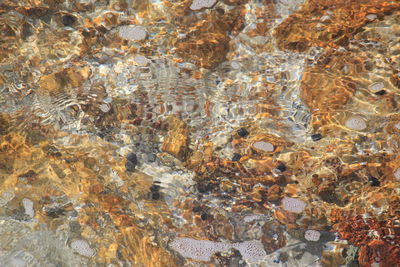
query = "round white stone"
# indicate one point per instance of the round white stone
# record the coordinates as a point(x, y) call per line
point(325, 18)
point(397, 174)
point(377, 86)
point(312, 235)
point(141, 60)
point(356, 123)
point(105, 108)
point(371, 17)
point(264, 146)
point(235, 65)
point(132, 32)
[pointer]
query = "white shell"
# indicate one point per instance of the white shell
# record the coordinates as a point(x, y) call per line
point(312, 235)
point(199, 4)
point(83, 248)
point(293, 204)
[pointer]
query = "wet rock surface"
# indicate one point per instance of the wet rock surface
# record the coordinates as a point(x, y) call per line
point(191, 133)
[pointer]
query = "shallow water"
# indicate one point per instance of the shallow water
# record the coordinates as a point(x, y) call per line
point(214, 133)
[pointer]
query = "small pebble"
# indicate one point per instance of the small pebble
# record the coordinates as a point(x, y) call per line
point(130, 167)
point(242, 132)
point(397, 174)
point(325, 18)
point(132, 158)
point(141, 60)
point(151, 157)
point(235, 65)
point(377, 86)
point(380, 93)
point(374, 181)
point(155, 191)
point(28, 206)
point(105, 108)
point(155, 188)
point(236, 157)
point(204, 188)
point(196, 209)
point(316, 137)
point(371, 17)
point(155, 195)
point(356, 123)
point(281, 167)
point(68, 20)
point(264, 146)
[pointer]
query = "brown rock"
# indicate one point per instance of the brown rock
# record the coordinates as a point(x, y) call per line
point(70, 77)
point(177, 141)
point(313, 25)
point(207, 42)
point(274, 193)
point(328, 85)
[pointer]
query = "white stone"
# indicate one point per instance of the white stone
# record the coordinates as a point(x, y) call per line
point(235, 65)
point(105, 107)
point(82, 247)
point(377, 86)
point(132, 32)
point(253, 217)
point(356, 123)
point(28, 206)
point(107, 100)
point(371, 17)
point(312, 235)
point(264, 146)
point(293, 204)
point(397, 125)
point(141, 60)
point(199, 4)
point(397, 174)
point(325, 18)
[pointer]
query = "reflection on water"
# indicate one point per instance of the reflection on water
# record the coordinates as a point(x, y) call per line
point(208, 133)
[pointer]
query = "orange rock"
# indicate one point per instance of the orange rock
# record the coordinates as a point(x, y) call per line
point(177, 141)
point(207, 43)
